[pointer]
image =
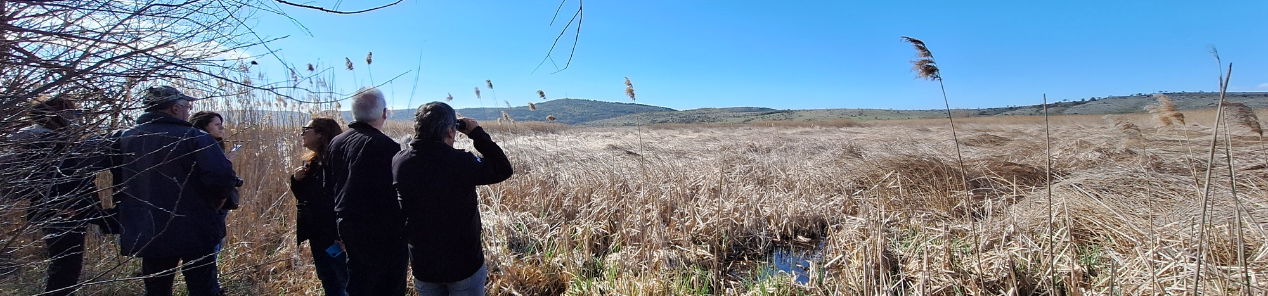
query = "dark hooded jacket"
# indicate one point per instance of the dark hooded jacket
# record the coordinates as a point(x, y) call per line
point(173, 177)
point(437, 185)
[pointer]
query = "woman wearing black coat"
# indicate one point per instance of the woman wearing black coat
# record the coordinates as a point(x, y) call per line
point(316, 214)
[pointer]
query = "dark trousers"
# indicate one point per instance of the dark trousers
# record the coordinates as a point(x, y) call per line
point(65, 251)
point(199, 270)
point(332, 271)
point(377, 262)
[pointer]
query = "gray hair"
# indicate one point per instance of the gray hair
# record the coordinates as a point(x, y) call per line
point(433, 121)
point(368, 104)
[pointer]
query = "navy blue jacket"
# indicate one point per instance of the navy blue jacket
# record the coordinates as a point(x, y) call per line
point(173, 177)
point(437, 185)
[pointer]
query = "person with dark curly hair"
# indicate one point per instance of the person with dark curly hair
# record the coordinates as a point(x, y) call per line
point(316, 210)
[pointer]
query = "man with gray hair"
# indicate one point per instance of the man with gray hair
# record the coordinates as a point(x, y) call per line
point(437, 186)
point(358, 175)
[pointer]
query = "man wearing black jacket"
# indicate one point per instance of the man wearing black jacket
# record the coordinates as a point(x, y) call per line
point(437, 186)
point(358, 175)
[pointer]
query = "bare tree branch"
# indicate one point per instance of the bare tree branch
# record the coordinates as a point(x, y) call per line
point(323, 9)
point(577, 17)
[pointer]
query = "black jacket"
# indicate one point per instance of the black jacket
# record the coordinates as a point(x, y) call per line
point(315, 209)
point(358, 175)
point(173, 178)
point(59, 175)
point(437, 185)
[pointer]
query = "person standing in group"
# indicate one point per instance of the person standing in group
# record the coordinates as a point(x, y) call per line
point(437, 186)
point(315, 219)
point(61, 189)
point(214, 124)
point(358, 172)
point(175, 180)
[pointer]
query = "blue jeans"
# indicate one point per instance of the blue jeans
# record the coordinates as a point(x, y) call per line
point(333, 271)
point(473, 285)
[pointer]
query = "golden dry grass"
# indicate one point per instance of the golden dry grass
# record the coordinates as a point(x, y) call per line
point(698, 209)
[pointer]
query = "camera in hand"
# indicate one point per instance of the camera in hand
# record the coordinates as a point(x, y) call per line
point(461, 126)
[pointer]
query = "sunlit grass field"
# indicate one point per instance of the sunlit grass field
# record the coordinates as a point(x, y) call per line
point(789, 208)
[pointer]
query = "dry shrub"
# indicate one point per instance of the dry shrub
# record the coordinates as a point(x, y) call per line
point(1165, 112)
point(840, 122)
point(1003, 175)
point(920, 181)
point(984, 140)
point(527, 127)
point(1244, 116)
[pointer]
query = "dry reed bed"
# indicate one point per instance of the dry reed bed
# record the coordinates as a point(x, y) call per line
point(697, 210)
point(887, 200)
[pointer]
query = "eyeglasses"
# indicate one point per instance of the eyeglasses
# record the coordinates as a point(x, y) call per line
point(305, 129)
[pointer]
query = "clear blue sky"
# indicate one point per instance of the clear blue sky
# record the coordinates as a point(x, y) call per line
point(781, 54)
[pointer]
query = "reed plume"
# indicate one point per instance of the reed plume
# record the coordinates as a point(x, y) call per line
point(311, 68)
point(508, 104)
point(532, 107)
point(448, 97)
point(347, 63)
point(489, 83)
point(477, 91)
point(1244, 116)
point(541, 94)
point(550, 118)
point(629, 89)
point(923, 64)
point(369, 58)
point(1165, 112)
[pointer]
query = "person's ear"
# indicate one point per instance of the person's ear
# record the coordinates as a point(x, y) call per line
point(384, 113)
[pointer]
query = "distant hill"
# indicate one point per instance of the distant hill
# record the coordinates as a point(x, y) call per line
point(1134, 103)
point(1107, 105)
point(600, 113)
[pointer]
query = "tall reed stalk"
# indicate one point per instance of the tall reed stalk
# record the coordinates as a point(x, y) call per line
point(1237, 211)
point(1206, 188)
point(1047, 146)
point(925, 67)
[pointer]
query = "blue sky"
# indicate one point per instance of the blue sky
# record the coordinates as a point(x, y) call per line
point(779, 54)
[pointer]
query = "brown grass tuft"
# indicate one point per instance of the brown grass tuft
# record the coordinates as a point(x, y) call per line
point(1165, 112)
point(550, 118)
point(532, 107)
point(1130, 130)
point(985, 140)
point(1245, 116)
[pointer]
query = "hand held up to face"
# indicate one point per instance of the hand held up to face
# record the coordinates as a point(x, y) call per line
point(470, 124)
